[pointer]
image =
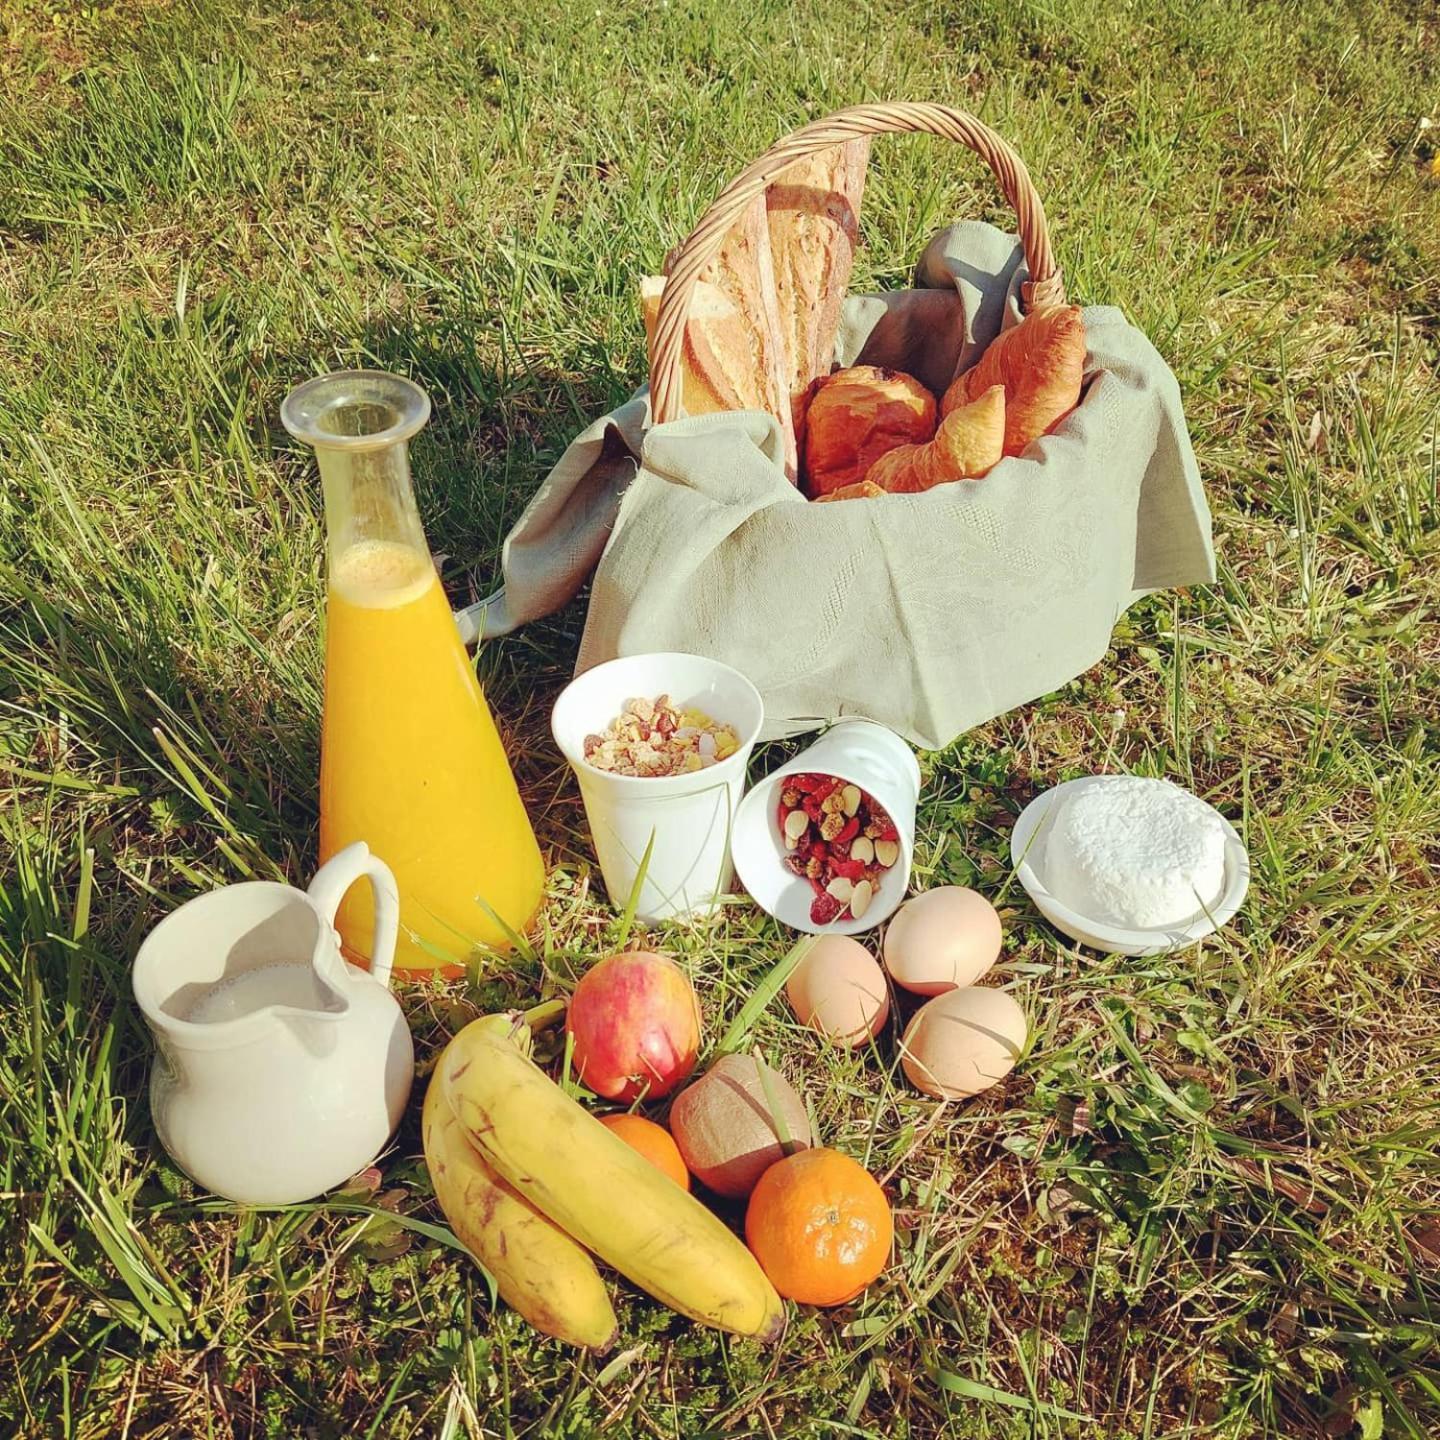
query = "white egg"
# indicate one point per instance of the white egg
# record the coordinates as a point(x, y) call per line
point(941, 939)
point(963, 1042)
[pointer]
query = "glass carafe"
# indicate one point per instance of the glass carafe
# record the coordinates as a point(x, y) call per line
point(410, 760)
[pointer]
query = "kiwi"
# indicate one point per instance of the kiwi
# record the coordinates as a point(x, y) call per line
point(726, 1124)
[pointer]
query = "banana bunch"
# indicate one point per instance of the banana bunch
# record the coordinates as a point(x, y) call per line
point(532, 1177)
point(539, 1270)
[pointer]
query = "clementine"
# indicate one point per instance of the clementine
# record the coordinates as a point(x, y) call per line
point(653, 1142)
point(820, 1227)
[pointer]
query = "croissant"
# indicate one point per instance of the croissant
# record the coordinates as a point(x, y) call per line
point(969, 441)
point(860, 490)
point(1040, 362)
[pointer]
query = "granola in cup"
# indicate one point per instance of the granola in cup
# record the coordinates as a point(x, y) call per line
point(653, 738)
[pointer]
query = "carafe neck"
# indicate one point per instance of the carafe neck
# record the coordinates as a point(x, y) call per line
point(360, 423)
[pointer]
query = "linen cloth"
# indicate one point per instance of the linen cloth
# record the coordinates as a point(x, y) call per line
point(929, 613)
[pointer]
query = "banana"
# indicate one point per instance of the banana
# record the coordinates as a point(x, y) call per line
point(603, 1193)
point(539, 1270)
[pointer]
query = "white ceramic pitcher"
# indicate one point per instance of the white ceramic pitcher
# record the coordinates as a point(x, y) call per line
point(282, 1068)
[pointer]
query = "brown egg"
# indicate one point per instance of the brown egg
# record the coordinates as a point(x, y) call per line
point(839, 990)
point(963, 1042)
point(942, 938)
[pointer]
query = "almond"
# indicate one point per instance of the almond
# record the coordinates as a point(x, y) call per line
point(860, 897)
point(797, 822)
point(842, 890)
point(862, 848)
point(850, 798)
point(887, 852)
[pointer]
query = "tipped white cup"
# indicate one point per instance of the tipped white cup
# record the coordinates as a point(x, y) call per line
point(861, 753)
point(690, 816)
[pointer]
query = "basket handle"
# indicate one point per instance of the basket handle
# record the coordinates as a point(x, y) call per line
point(1044, 287)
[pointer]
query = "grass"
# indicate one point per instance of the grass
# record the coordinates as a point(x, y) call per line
point(1208, 1201)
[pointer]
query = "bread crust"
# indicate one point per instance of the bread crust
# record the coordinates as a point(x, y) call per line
point(713, 330)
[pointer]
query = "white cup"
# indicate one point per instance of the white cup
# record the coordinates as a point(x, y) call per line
point(689, 816)
point(861, 753)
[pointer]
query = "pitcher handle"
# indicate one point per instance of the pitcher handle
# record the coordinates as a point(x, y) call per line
point(338, 874)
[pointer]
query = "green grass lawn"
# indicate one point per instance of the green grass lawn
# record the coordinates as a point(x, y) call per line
point(1208, 1202)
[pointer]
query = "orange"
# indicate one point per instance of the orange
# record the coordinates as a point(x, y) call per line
point(820, 1227)
point(653, 1142)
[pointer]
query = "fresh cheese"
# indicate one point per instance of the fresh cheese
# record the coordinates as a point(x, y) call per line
point(1137, 853)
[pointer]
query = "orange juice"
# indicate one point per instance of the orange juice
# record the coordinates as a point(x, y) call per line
point(412, 764)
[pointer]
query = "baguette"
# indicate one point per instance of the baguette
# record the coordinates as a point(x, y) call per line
point(742, 343)
point(813, 211)
point(715, 335)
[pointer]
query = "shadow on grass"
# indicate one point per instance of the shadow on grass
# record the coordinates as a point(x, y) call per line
point(171, 778)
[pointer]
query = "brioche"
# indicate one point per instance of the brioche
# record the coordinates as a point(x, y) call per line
point(858, 414)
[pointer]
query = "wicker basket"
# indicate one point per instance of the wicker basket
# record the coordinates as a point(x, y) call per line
point(928, 612)
point(1045, 286)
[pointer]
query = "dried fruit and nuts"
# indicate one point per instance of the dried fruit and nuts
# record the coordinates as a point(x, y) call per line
point(839, 839)
point(655, 737)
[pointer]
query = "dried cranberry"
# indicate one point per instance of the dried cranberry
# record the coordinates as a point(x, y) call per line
point(824, 908)
point(848, 832)
point(852, 870)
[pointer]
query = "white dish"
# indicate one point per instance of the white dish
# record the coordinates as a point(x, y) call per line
point(1027, 855)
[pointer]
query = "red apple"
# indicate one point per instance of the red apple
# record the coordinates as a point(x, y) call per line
point(635, 1024)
